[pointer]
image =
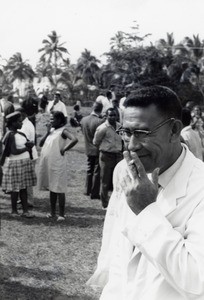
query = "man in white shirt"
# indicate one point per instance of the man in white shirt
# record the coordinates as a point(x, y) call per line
point(153, 237)
point(57, 105)
point(105, 101)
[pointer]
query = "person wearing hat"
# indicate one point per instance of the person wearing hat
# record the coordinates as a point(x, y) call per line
point(18, 171)
point(56, 105)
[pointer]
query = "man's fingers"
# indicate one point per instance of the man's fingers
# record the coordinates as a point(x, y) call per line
point(139, 166)
point(131, 164)
point(127, 156)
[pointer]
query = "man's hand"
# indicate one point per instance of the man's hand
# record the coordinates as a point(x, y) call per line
point(139, 190)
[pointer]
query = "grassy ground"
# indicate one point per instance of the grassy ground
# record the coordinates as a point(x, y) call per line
point(43, 259)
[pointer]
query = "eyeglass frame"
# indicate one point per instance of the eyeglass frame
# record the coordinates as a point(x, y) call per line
point(122, 130)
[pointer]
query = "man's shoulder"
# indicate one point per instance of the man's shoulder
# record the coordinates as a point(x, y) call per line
point(87, 118)
point(9, 104)
point(193, 166)
point(102, 126)
point(61, 103)
point(50, 102)
point(27, 122)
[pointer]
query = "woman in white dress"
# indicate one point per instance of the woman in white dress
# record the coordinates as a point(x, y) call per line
point(52, 173)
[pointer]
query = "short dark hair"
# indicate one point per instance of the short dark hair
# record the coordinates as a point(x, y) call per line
point(166, 101)
point(30, 105)
point(109, 94)
point(186, 116)
point(76, 107)
point(59, 115)
point(111, 109)
point(97, 107)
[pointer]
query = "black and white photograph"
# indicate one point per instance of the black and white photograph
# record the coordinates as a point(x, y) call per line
point(102, 150)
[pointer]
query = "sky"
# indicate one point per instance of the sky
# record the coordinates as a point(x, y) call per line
point(90, 24)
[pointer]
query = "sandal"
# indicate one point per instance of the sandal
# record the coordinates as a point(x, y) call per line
point(60, 218)
point(50, 216)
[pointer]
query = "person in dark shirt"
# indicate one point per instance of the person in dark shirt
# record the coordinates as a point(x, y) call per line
point(88, 126)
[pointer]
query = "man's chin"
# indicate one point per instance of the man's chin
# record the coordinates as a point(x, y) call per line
point(147, 163)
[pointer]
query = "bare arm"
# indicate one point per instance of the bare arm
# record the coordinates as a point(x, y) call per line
point(42, 141)
point(71, 143)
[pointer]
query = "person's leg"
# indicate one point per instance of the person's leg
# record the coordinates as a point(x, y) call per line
point(61, 197)
point(117, 157)
point(30, 196)
point(95, 191)
point(23, 197)
point(53, 200)
point(14, 198)
point(105, 178)
point(89, 174)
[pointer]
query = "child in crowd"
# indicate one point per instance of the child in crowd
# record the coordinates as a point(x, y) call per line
point(75, 121)
point(52, 174)
point(18, 171)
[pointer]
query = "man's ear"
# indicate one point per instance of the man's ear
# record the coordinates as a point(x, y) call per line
point(176, 130)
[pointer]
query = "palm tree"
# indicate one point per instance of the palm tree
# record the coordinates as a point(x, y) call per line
point(87, 68)
point(194, 46)
point(44, 78)
point(19, 73)
point(53, 51)
point(118, 42)
point(166, 45)
point(16, 68)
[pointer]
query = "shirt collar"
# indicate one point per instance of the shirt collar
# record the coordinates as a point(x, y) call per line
point(167, 175)
point(118, 125)
point(95, 114)
point(186, 128)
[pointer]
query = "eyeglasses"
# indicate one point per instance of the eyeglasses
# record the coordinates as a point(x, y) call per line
point(139, 133)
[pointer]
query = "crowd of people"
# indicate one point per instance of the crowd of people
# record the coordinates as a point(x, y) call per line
point(145, 163)
point(19, 154)
point(104, 145)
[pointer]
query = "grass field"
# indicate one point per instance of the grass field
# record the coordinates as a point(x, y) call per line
point(43, 259)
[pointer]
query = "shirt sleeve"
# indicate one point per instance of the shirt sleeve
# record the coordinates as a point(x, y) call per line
point(178, 253)
point(99, 135)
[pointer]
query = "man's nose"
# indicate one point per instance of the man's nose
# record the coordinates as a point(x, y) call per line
point(134, 144)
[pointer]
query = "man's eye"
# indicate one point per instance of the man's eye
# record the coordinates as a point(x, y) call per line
point(127, 133)
point(140, 134)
